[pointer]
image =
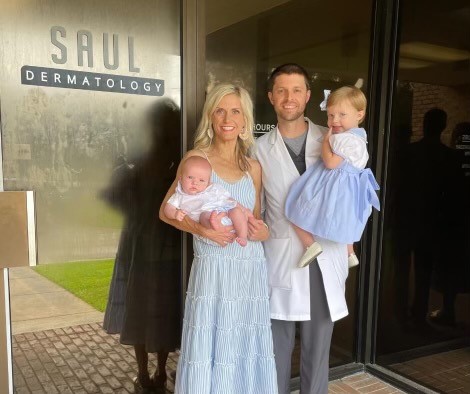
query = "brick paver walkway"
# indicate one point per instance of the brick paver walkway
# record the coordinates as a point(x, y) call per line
point(80, 359)
point(361, 383)
point(448, 372)
point(85, 359)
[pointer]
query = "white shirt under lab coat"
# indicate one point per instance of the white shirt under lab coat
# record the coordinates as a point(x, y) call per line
point(289, 285)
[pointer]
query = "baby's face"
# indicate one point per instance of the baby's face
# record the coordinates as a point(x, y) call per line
point(195, 179)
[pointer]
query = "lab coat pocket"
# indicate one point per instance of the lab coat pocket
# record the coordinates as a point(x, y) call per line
point(278, 257)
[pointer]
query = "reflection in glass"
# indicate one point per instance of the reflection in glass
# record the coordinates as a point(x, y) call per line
point(144, 303)
point(67, 144)
point(62, 143)
point(425, 280)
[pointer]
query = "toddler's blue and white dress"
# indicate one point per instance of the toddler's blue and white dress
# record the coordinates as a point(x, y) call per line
point(335, 203)
point(226, 346)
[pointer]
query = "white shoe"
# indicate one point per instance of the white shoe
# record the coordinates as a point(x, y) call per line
point(311, 253)
point(352, 260)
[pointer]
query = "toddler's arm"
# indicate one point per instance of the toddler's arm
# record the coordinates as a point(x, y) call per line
point(330, 159)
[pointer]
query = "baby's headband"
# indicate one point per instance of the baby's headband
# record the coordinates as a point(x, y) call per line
point(323, 103)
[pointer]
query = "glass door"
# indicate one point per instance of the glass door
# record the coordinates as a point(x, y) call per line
point(423, 326)
point(246, 40)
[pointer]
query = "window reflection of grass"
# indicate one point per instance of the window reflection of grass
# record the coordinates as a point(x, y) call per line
point(88, 211)
point(88, 280)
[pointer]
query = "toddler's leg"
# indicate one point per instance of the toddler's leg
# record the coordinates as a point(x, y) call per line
point(240, 224)
point(352, 258)
point(305, 237)
point(312, 248)
point(350, 249)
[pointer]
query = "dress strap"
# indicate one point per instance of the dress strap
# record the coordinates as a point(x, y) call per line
point(205, 155)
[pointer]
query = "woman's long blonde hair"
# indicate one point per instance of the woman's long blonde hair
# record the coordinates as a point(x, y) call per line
point(204, 132)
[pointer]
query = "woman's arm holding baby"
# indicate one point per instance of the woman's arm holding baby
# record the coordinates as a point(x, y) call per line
point(257, 229)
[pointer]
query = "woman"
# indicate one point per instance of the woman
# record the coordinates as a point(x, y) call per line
point(143, 304)
point(226, 342)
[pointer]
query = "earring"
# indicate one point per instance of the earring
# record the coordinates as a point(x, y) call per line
point(210, 132)
point(243, 135)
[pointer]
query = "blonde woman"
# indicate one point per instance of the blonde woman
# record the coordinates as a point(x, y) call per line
point(226, 341)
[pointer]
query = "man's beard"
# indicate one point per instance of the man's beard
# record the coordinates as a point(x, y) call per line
point(290, 116)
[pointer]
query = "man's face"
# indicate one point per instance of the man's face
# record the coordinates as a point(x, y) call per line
point(289, 96)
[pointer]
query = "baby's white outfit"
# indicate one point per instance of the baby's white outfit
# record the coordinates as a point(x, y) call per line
point(213, 198)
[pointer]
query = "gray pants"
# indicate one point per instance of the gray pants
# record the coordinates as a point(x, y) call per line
point(315, 340)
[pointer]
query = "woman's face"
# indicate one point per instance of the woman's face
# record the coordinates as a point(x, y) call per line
point(227, 119)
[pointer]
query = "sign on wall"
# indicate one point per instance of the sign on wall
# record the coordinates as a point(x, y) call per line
point(85, 48)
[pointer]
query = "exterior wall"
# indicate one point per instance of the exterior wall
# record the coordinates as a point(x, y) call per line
point(61, 136)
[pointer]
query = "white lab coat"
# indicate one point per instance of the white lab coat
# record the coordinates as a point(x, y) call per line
point(289, 285)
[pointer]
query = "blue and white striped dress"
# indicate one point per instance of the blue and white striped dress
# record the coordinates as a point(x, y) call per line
point(226, 346)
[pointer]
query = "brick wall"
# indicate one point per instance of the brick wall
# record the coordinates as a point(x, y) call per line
point(454, 100)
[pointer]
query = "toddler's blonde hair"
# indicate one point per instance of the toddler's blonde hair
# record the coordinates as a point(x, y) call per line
point(350, 93)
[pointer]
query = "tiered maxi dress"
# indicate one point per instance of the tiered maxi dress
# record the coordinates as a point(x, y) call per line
point(226, 346)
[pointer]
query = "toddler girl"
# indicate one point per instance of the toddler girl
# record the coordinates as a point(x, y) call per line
point(334, 197)
point(197, 197)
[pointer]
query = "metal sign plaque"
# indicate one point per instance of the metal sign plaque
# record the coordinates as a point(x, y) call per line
point(71, 79)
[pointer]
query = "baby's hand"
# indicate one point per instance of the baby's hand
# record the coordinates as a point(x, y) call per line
point(180, 214)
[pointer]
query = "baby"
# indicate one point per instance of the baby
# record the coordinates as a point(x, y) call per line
point(197, 197)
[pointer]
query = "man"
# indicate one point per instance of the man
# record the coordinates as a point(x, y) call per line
point(314, 295)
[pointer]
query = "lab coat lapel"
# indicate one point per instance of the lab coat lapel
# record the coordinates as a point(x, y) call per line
point(279, 153)
point(313, 144)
